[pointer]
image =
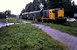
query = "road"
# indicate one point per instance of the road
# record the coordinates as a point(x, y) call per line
point(64, 38)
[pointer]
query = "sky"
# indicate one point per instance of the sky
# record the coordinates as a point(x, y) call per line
point(15, 5)
point(75, 1)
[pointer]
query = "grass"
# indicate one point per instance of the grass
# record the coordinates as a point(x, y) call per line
point(71, 24)
point(16, 20)
point(26, 37)
point(69, 27)
point(3, 20)
point(12, 20)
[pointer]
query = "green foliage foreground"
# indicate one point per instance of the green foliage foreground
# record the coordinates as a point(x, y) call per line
point(26, 37)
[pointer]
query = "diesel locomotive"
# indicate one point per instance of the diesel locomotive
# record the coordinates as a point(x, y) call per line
point(56, 15)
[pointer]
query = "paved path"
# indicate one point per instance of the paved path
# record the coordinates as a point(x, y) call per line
point(8, 24)
point(62, 37)
point(5, 24)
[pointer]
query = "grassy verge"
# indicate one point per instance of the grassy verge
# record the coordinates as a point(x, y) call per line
point(3, 20)
point(26, 37)
point(70, 28)
point(13, 20)
point(71, 24)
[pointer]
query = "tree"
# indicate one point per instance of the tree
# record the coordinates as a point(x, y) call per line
point(23, 11)
point(29, 7)
point(69, 7)
point(55, 4)
point(8, 13)
point(34, 6)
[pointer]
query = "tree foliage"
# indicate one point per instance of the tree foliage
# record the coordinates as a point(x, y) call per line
point(34, 6)
point(68, 6)
point(7, 13)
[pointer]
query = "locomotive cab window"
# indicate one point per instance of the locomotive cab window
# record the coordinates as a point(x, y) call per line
point(53, 11)
point(50, 11)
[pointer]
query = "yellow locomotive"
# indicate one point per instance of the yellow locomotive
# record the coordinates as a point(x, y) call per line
point(56, 15)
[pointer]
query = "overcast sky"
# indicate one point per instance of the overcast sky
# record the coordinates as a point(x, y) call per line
point(15, 5)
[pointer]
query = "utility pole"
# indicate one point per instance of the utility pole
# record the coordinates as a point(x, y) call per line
point(6, 19)
point(41, 6)
point(20, 17)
